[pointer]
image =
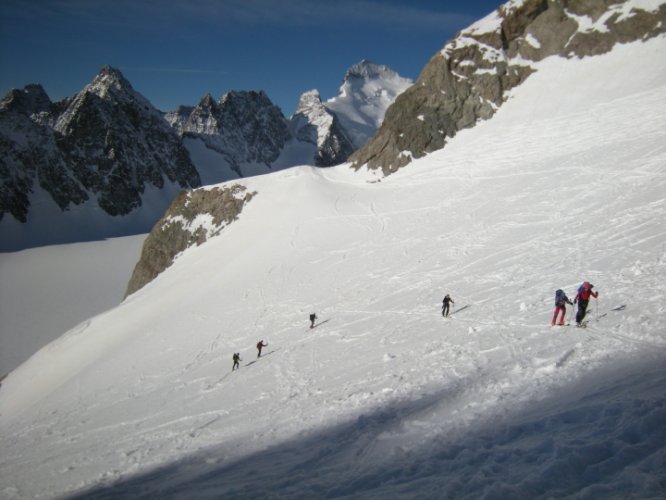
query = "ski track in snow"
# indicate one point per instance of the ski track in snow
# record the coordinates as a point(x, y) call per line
point(385, 397)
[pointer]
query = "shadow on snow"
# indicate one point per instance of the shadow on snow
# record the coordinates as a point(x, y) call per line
point(607, 439)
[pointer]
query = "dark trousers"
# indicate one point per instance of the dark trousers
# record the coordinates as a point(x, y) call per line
point(445, 310)
point(582, 310)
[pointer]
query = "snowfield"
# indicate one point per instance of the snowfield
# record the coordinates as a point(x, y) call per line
point(48, 290)
point(385, 398)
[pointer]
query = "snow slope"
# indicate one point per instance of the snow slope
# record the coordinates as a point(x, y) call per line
point(46, 291)
point(385, 398)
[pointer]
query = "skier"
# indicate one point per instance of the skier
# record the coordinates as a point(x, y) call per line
point(561, 301)
point(445, 305)
point(260, 344)
point(237, 361)
point(313, 318)
point(582, 298)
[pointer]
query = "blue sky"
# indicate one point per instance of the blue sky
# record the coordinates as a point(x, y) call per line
point(174, 52)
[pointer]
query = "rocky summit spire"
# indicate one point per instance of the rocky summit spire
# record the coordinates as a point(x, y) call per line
point(316, 124)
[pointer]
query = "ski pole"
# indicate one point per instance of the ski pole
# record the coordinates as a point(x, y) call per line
point(597, 306)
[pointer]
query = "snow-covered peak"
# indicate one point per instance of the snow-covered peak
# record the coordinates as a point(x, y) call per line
point(111, 84)
point(369, 70)
point(312, 121)
point(367, 91)
point(310, 100)
point(112, 88)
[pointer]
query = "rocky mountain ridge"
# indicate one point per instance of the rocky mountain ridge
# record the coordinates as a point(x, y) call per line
point(106, 146)
point(243, 127)
point(469, 78)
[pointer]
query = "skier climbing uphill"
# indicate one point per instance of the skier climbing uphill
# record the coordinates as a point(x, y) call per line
point(561, 301)
point(260, 345)
point(582, 298)
point(237, 359)
point(445, 305)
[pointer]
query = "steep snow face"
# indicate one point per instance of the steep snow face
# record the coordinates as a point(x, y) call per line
point(368, 89)
point(48, 290)
point(385, 397)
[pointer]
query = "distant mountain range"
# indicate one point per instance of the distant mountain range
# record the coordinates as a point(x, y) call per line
point(107, 163)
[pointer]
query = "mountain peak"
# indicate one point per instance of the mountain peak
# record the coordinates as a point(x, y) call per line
point(308, 99)
point(31, 99)
point(207, 101)
point(369, 70)
point(368, 89)
point(110, 82)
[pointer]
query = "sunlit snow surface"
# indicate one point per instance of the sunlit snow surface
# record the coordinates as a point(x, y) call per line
point(385, 398)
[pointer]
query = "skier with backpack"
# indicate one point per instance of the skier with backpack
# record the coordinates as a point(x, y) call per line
point(561, 301)
point(237, 359)
point(582, 298)
point(445, 305)
point(260, 344)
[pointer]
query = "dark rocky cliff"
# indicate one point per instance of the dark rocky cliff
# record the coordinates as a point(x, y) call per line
point(106, 143)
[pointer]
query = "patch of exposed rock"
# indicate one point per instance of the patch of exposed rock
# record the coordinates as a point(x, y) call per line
point(193, 218)
point(468, 79)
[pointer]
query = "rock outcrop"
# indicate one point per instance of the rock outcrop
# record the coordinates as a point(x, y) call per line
point(192, 218)
point(468, 79)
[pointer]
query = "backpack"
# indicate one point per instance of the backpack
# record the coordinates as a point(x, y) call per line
point(559, 297)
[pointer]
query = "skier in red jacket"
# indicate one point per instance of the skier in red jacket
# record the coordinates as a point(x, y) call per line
point(582, 298)
point(260, 344)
